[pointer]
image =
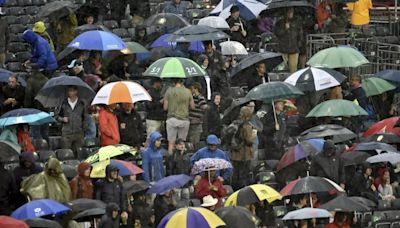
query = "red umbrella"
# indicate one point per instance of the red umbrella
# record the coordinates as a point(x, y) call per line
point(310, 184)
point(9, 222)
point(383, 126)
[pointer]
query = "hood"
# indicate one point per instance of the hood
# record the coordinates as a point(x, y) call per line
point(213, 140)
point(27, 157)
point(55, 165)
point(110, 168)
point(110, 208)
point(200, 59)
point(153, 138)
point(329, 148)
point(82, 167)
point(39, 27)
point(245, 113)
point(29, 36)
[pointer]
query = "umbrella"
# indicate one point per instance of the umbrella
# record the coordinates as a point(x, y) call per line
point(300, 151)
point(249, 9)
point(88, 214)
point(268, 92)
point(345, 204)
point(121, 92)
point(93, 27)
point(364, 201)
point(391, 157)
point(57, 9)
point(39, 208)
point(9, 222)
point(97, 41)
point(307, 213)
point(383, 126)
point(197, 33)
point(54, 92)
point(134, 48)
point(375, 86)
point(169, 21)
point(205, 163)
point(167, 183)
point(193, 217)
point(384, 138)
point(338, 57)
point(80, 205)
point(237, 217)
point(315, 79)
point(8, 150)
point(125, 168)
point(161, 42)
point(5, 75)
point(215, 22)
point(253, 194)
point(354, 158)
point(69, 171)
point(233, 48)
point(270, 59)
point(111, 151)
point(310, 184)
point(25, 116)
point(390, 75)
point(376, 146)
point(39, 222)
point(67, 52)
point(336, 108)
point(131, 187)
point(336, 132)
point(276, 4)
point(174, 67)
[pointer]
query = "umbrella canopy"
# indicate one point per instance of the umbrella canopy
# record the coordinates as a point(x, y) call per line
point(315, 79)
point(97, 41)
point(170, 22)
point(9, 222)
point(93, 27)
point(338, 57)
point(271, 60)
point(345, 204)
point(5, 75)
point(337, 132)
point(217, 163)
point(307, 213)
point(121, 92)
point(88, 214)
point(391, 157)
point(193, 217)
point(364, 201)
point(111, 151)
point(131, 187)
point(383, 126)
point(249, 9)
point(80, 205)
point(237, 217)
point(8, 150)
point(125, 168)
point(271, 91)
point(277, 4)
point(197, 33)
point(134, 48)
point(390, 75)
point(57, 9)
point(376, 146)
point(375, 86)
point(167, 183)
point(252, 194)
point(384, 138)
point(233, 48)
point(174, 67)
point(54, 92)
point(354, 158)
point(39, 222)
point(310, 184)
point(39, 208)
point(161, 42)
point(215, 22)
point(336, 108)
point(25, 116)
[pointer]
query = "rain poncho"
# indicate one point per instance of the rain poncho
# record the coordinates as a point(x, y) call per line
point(153, 160)
point(49, 184)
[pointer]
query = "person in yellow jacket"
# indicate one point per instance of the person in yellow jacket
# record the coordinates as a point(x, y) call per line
point(40, 29)
point(360, 12)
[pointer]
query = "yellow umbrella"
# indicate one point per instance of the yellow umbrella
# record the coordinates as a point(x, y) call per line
point(191, 217)
point(108, 152)
point(252, 194)
point(125, 168)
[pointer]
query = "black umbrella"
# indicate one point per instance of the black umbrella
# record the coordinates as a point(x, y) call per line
point(80, 205)
point(169, 22)
point(237, 217)
point(57, 9)
point(336, 132)
point(8, 150)
point(131, 187)
point(66, 53)
point(384, 138)
point(54, 92)
point(233, 109)
point(85, 28)
point(374, 147)
point(345, 204)
point(89, 214)
point(364, 201)
point(69, 171)
point(39, 222)
point(354, 158)
point(192, 33)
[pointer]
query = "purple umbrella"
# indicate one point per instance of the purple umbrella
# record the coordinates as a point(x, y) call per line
point(167, 183)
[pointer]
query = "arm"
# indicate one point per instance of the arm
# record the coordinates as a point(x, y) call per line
point(350, 6)
point(202, 189)
point(195, 157)
point(146, 166)
point(103, 122)
point(41, 55)
point(166, 98)
point(221, 190)
point(74, 188)
point(191, 104)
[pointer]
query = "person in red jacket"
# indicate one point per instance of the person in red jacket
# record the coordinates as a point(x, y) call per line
point(81, 185)
point(24, 140)
point(340, 221)
point(209, 184)
point(108, 125)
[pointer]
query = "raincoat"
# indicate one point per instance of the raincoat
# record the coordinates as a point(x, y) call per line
point(207, 153)
point(49, 184)
point(153, 160)
point(108, 125)
point(111, 191)
point(81, 185)
point(202, 189)
point(41, 51)
point(360, 12)
point(107, 221)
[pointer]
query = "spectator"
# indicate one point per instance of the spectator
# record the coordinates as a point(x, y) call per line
point(141, 212)
point(141, 35)
point(156, 115)
point(108, 125)
point(363, 184)
point(215, 58)
point(179, 161)
point(338, 19)
point(177, 7)
point(9, 134)
point(177, 101)
point(335, 93)
point(4, 38)
point(8, 191)
point(206, 82)
point(222, 79)
point(65, 30)
point(265, 25)
point(260, 77)
point(41, 53)
point(81, 185)
point(210, 185)
point(209, 203)
point(340, 220)
point(385, 189)
point(111, 218)
point(237, 25)
point(89, 19)
point(360, 12)
point(290, 36)
point(131, 128)
point(298, 202)
point(13, 94)
point(35, 82)
point(23, 138)
point(213, 116)
point(152, 160)
point(40, 29)
point(196, 114)
point(357, 92)
point(72, 116)
point(76, 68)
point(163, 204)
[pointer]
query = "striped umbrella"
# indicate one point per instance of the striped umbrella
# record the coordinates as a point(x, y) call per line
point(174, 67)
point(121, 92)
point(249, 9)
point(125, 168)
point(252, 194)
point(310, 184)
point(193, 217)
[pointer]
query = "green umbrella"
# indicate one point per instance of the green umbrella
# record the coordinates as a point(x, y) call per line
point(174, 67)
point(335, 108)
point(375, 86)
point(338, 57)
point(133, 48)
point(271, 91)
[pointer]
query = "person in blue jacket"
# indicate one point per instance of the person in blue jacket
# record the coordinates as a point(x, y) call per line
point(212, 151)
point(41, 53)
point(152, 160)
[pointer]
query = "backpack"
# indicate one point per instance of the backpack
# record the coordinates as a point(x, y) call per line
point(231, 136)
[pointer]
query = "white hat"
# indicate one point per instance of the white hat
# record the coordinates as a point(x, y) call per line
point(209, 201)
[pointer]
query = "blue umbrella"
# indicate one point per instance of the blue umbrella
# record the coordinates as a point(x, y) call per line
point(25, 116)
point(316, 143)
point(161, 42)
point(390, 75)
point(98, 41)
point(39, 208)
point(168, 183)
point(5, 74)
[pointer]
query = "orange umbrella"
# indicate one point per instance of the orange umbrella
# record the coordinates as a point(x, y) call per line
point(121, 92)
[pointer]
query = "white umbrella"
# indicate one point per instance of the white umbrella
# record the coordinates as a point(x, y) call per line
point(214, 21)
point(391, 157)
point(249, 9)
point(233, 48)
point(307, 213)
point(121, 92)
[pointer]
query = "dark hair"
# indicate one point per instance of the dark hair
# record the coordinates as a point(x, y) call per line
point(179, 141)
point(72, 87)
point(234, 9)
point(196, 85)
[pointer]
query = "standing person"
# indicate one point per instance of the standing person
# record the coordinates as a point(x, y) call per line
point(111, 218)
point(363, 184)
point(385, 189)
point(155, 119)
point(177, 7)
point(179, 161)
point(290, 36)
point(215, 58)
point(260, 77)
point(65, 30)
point(108, 126)
point(8, 191)
point(221, 79)
point(81, 185)
point(4, 39)
point(213, 116)
point(131, 128)
point(13, 94)
point(206, 82)
point(237, 25)
point(163, 204)
point(152, 160)
point(40, 29)
point(196, 114)
point(357, 92)
point(360, 13)
point(210, 185)
point(276, 128)
point(177, 101)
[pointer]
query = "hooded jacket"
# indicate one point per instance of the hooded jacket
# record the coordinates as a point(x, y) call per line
point(41, 51)
point(81, 185)
point(22, 171)
point(152, 161)
point(8, 190)
point(110, 191)
point(131, 128)
point(108, 125)
point(290, 39)
point(107, 220)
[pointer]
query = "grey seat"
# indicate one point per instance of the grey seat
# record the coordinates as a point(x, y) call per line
point(17, 28)
point(40, 144)
point(45, 155)
point(26, 19)
point(16, 11)
point(121, 32)
point(132, 32)
point(32, 10)
point(23, 56)
point(14, 66)
point(25, 2)
point(65, 154)
point(55, 142)
point(126, 24)
point(111, 24)
point(11, 3)
point(12, 19)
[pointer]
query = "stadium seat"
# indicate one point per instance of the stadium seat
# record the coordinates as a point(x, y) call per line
point(11, 3)
point(132, 32)
point(12, 20)
point(83, 153)
point(17, 28)
point(121, 32)
point(40, 144)
point(111, 24)
point(11, 166)
point(55, 142)
point(14, 66)
point(26, 19)
point(73, 163)
point(16, 38)
point(65, 154)
point(32, 10)
point(126, 24)
point(23, 56)
point(11, 57)
point(15, 11)
point(45, 155)
point(38, 2)
point(24, 2)
point(237, 92)
point(17, 47)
